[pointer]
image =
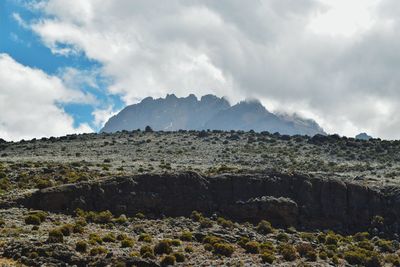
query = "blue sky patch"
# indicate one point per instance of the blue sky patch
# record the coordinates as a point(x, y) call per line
point(24, 46)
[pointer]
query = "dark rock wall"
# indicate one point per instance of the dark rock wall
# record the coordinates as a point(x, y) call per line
point(285, 200)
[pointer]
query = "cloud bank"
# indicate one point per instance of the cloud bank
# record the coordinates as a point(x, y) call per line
point(30, 103)
point(335, 61)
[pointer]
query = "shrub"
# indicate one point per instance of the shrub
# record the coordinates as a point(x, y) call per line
point(264, 227)
point(366, 244)
point(321, 237)
point(189, 249)
point(33, 255)
point(109, 238)
point(361, 236)
point(32, 219)
point(145, 237)
point(179, 257)
point(186, 236)
point(66, 229)
point(323, 255)
point(225, 223)
point(97, 251)
point(267, 257)
point(175, 242)
point(307, 236)
point(208, 247)
point(223, 249)
point(81, 246)
point(95, 238)
point(331, 239)
point(311, 255)
point(140, 215)
point(78, 229)
point(127, 243)
point(41, 214)
point(196, 216)
point(206, 223)
point(103, 217)
point(148, 255)
point(362, 257)
point(242, 241)
point(168, 260)
point(393, 259)
point(283, 237)
point(210, 239)
point(146, 249)
point(288, 252)
point(304, 248)
point(385, 245)
point(163, 247)
point(252, 247)
point(354, 257)
point(55, 236)
point(121, 219)
point(43, 183)
point(267, 247)
point(121, 237)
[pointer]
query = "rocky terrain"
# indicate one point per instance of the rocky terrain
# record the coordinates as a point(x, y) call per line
point(210, 112)
point(199, 198)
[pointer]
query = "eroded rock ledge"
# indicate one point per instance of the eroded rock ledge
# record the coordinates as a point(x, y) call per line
point(285, 200)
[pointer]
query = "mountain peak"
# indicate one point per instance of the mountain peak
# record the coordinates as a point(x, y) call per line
point(210, 112)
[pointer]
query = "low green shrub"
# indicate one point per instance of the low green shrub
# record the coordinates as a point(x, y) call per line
point(228, 224)
point(81, 246)
point(189, 249)
point(146, 249)
point(196, 216)
point(267, 247)
point(252, 247)
point(206, 223)
point(145, 237)
point(127, 243)
point(268, 257)
point(33, 220)
point(264, 227)
point(179, 257)
point(109, 238)
point(176, 242)
point(360, 256)
point(66, 229)
point(287, 251)
point(223, 249)
point(168, 260)
point(98, 251)
point(55, 236)
point(95, 239)
point(163, 247)
point(186, 236)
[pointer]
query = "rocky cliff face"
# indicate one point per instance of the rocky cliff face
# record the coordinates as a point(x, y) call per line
point(210, 112)
point(285, 200)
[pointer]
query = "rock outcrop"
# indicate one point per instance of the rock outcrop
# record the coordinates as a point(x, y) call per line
point(297, 200)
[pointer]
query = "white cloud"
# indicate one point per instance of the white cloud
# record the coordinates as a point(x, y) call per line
point(334, 59)
point(20, 21)
point(101, 116)
point(29, 103)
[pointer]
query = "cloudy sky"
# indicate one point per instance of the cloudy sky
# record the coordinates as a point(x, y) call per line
point(67, 65)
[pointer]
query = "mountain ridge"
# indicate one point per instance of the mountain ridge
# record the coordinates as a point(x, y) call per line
point(209, 112)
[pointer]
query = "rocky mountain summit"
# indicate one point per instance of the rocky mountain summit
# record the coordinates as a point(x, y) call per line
point(210, 112)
